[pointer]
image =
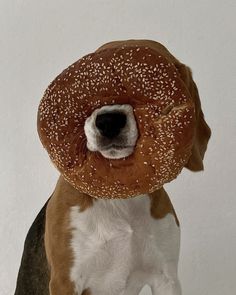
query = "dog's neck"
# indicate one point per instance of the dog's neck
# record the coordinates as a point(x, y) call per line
point(160, 204)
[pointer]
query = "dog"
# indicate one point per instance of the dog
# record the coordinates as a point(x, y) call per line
point(82, 245)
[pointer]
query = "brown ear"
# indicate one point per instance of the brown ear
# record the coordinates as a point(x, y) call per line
point(202, 131)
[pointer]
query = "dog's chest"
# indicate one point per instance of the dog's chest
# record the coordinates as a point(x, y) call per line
point(114, 240)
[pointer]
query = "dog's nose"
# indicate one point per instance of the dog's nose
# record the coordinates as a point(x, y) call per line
point(110, 124)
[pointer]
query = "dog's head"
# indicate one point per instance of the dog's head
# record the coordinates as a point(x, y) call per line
point(124, 120)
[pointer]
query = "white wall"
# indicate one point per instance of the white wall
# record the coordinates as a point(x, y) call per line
point(40, 38)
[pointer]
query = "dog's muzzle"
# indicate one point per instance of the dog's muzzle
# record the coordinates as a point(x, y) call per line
point(112, 131)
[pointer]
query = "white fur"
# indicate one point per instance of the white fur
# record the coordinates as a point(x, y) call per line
point(129, 132)
point(119, 247)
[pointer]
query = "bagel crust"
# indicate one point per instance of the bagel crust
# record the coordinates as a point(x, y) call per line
point(128, 73)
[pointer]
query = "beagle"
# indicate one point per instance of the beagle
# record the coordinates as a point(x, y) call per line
point(80, 245)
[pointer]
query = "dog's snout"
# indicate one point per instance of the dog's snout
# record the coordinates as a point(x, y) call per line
point(112, 131)
point(110, 124)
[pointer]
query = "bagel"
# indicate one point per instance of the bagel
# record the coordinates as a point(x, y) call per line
point(142, 74)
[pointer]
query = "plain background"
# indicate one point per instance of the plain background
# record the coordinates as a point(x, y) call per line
point(41, 38)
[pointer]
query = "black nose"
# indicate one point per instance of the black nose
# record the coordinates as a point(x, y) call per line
point(109, 124)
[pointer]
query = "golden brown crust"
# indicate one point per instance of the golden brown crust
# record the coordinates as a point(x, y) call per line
point(143, 74)
point(58, 235)
point(161, 205)
point(146, 43)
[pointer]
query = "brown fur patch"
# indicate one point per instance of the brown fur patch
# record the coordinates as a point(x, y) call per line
point(161, 205)
point(58, 235)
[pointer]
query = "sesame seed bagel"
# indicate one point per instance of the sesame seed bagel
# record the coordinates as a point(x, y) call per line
point(140, 73)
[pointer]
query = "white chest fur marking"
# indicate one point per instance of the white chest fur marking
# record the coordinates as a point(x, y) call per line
point(118, 247)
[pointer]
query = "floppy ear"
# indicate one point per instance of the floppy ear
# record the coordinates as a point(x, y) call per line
point(202, 130)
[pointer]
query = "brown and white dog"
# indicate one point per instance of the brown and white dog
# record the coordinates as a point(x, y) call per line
point(82, 245)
